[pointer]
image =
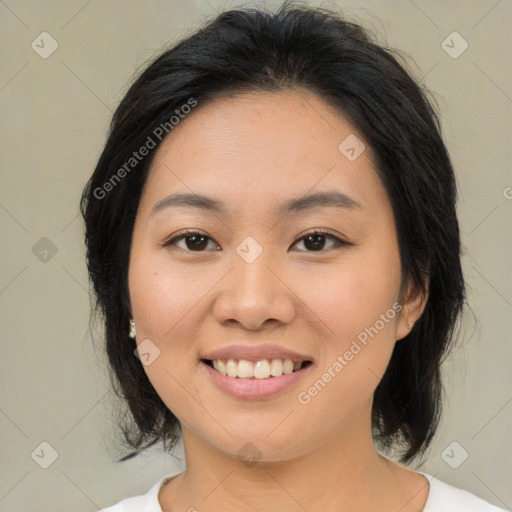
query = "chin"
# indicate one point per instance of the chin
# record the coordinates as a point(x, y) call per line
point(262, 444)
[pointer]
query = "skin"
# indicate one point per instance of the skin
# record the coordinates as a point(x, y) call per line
point(253, 151)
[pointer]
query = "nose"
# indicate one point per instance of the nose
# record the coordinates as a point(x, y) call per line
point(254, 294)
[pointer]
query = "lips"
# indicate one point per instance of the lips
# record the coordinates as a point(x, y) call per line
point(259, 385)
point(249, 362)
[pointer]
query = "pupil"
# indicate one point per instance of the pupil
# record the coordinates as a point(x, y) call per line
point(198, 242)
point(315, 245)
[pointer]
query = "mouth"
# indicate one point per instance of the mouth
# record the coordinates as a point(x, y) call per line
point(261, 369)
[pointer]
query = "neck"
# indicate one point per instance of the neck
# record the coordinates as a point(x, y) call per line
point(345, 474)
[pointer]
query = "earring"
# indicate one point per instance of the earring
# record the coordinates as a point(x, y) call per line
point(132, 329)
point(408, 326)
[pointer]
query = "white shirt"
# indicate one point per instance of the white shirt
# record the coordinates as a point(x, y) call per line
point(441, 498)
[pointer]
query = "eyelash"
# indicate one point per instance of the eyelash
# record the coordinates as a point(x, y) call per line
point(191, 232)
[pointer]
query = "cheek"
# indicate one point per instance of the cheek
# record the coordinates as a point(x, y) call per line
point(357, 347)
point(352, 295)
point(359, 311)
point(165, 301)
point(162, 295)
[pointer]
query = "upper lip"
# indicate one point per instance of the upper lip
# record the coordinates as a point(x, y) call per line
point(255, 353)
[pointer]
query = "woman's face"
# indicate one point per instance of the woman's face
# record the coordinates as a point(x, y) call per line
point(246, 282)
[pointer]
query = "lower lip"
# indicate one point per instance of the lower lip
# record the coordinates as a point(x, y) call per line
point(254, 388)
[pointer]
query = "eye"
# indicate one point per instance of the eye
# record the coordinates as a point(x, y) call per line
point(194, 241)
point(315, 241)
point(197, 241)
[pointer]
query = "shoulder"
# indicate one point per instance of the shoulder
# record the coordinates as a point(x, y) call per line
point(446, 498)
point(144, 503)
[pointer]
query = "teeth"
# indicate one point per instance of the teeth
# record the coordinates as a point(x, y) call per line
point(262, 369)
point(287, 366)
point(276, 368)
point(245, 369)
point(231, 368)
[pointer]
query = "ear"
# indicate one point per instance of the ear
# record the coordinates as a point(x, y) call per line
point(413, 305)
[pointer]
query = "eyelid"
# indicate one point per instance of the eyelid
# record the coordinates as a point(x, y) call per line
point(182, 234)
point(319, 231)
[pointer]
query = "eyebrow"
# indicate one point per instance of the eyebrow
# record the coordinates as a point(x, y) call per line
point(319, 199)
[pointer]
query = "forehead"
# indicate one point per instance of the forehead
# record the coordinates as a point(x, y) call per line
point(260, 147)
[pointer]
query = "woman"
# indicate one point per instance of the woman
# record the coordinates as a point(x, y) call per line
point(273, 241)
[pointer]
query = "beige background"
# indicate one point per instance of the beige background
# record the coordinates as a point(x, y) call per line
point(55, 114)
